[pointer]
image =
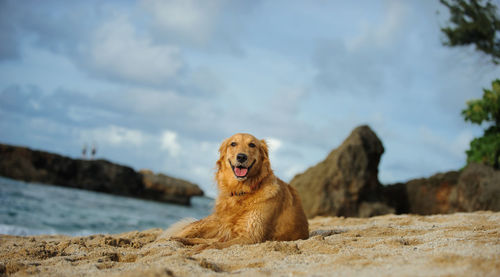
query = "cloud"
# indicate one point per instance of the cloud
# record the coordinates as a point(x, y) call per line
point(16, 99)
point(148, 110)
point(100, 39)
point(119, 53)
point(9, 48)
point(366, 62)
point(188, 20)
point(274, 144)
point(110, 42)
point(64, 106)
point(53, 26)
point(215, 27)
point(453, 148)
point(386, 33)
point(460, 75)
point(287, 101)
point(114, 136)
point(66, 120)
point(341, 71)
point(169, 143)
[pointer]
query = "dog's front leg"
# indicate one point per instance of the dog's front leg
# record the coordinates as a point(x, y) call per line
point(258, 229)
point(205, 228)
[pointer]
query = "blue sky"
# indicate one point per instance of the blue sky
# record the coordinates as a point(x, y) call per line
point(159, 84)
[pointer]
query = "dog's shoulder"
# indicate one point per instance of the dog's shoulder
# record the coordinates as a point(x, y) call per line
point(272, 189)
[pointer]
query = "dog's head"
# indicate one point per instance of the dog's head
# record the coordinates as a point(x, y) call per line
point(244, 157)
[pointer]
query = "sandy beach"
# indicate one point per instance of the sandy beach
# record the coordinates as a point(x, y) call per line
point(462, 244)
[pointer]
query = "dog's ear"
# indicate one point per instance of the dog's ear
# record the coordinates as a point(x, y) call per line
point(264, 149)
point(266, 163)
point(222, 152)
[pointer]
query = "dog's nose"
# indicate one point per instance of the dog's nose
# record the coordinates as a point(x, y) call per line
point(241, 157)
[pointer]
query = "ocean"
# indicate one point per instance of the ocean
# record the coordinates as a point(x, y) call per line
point(35, 209)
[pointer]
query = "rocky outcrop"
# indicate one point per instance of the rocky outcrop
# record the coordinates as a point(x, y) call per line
point(28, 165)
point(346, 182)
point(172, 189)
point(432, 195)
point(476, 187)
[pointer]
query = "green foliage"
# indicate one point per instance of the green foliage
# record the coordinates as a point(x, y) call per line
point(474, 22)
point(485, 149)
point(486, 109)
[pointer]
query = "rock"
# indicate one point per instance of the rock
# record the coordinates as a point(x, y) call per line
point(346, 178)
point(369, 209)
point(97, 175)
point(396, 196)
point(478, 189)
point(174, 190)
point(346, 184)
point(28, 165)
point(432, 195)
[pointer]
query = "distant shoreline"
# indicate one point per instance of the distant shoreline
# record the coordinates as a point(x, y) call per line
point(25, 164)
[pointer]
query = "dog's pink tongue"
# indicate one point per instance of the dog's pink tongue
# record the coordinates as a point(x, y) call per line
point(240, 172)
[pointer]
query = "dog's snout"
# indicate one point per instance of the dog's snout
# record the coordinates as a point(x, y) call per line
point(241, 157)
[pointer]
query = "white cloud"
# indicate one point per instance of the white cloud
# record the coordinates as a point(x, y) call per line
point(113, 135)
point(274, 144)
point(118, 52)
point(191, 20)
point(170, 144)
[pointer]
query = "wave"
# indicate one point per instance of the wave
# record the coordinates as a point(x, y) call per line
point(23, 231)
point(28, 209)
point(14, 230)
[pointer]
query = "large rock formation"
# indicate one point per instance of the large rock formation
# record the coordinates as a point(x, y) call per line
point(346, 182)
point(476, 187)
point(28, 165)
point(172, 189)
point(431, 195)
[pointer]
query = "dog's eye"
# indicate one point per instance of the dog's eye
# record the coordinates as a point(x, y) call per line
point(251, 144)
point(233, 144)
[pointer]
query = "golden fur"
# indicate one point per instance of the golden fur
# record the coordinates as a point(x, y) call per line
point(252, 208)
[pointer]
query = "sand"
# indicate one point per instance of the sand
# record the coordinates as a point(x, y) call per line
point(462, 244)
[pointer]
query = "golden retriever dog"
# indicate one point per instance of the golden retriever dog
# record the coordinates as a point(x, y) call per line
point(253, 204)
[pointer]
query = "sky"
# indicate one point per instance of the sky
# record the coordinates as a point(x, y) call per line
point(160, 84)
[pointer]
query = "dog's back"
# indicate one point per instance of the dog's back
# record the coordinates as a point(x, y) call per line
point(291, 223)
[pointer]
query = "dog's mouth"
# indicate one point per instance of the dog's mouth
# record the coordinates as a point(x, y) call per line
point(240, 171)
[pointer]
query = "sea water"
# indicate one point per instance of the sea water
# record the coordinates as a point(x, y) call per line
point(34, 209)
